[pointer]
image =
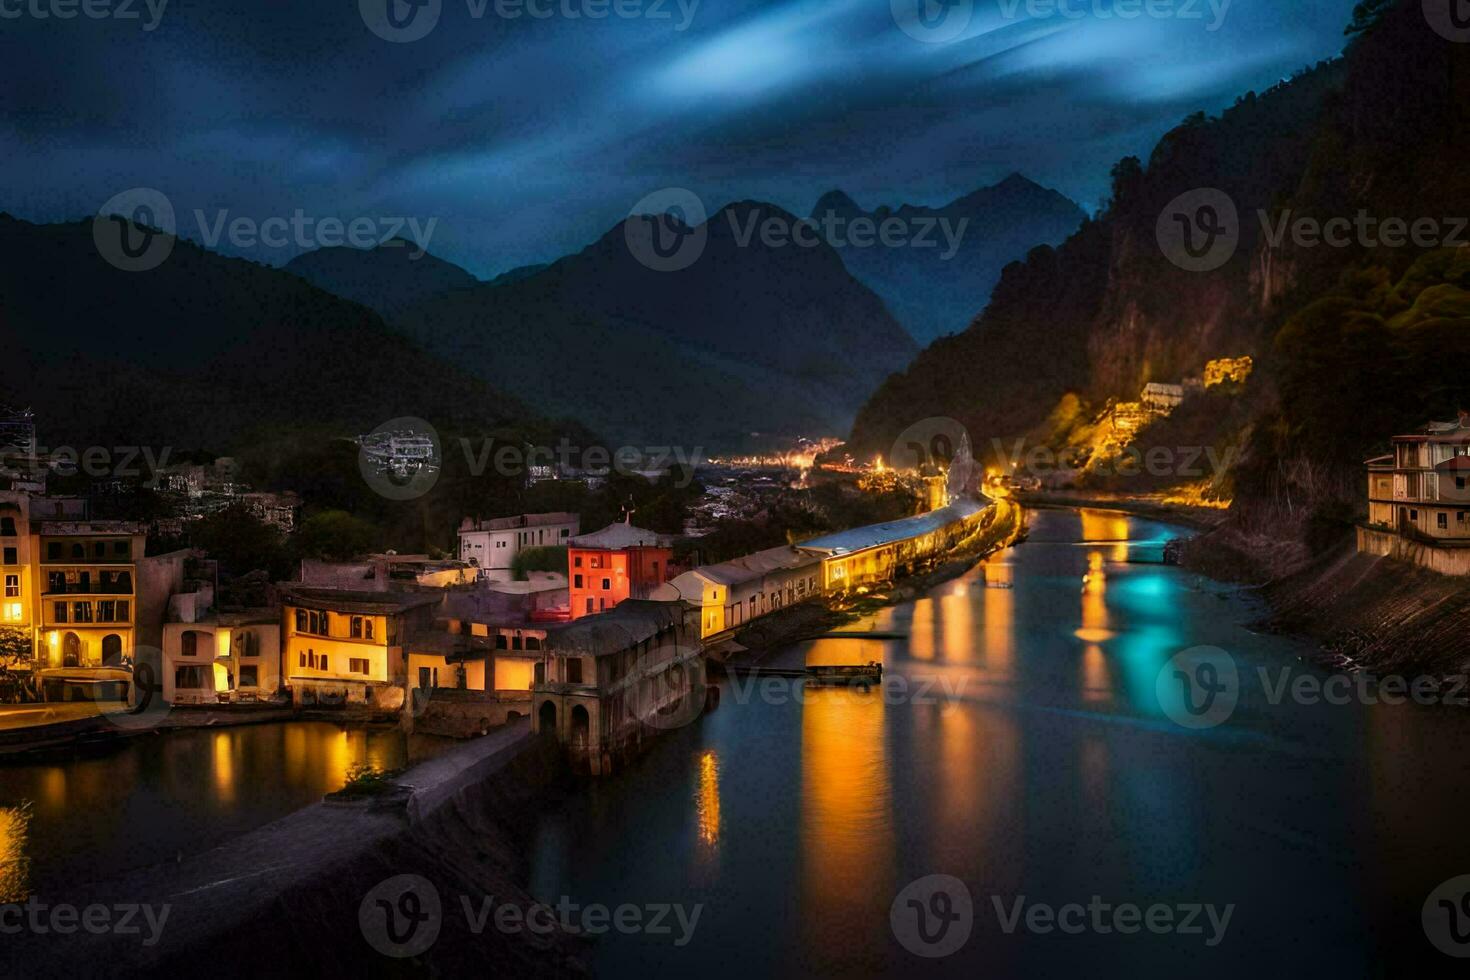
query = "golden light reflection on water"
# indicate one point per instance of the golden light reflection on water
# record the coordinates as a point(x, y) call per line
point(1000, 626)
point(921, 630)
point(1095, 602)
point(224, 767)
point(846, 806)
point(15, 867)
point(955, 620)
point(708, 803)
point(1105, 527)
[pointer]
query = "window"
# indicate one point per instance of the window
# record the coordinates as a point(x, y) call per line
point(500, 642)
point(312, 622)
point(77, 551)
point(106, 611)
point(1413, 515)
point(190, 678)
point(577, 561)
point(589, 607)
point(606, 584)
point(323, 664)
point(53, 551)
point(7, 527)
point(12, 557)
point(99, 549)
point(81, 612)
point(250, 676)
point(1443, 520)
point(533, 643)
point(12, 586)
point(301, 658)
point(367, 628)
point(189, 644)
point(356, 630)
point(58, 612)
point(515, 643)
point(574, 670)
point(358, 665)
point(123, 611)
point(120, 548)
point(12, 612)
point(566, 532)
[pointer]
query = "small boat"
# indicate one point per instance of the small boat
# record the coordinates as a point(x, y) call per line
point(860, 676)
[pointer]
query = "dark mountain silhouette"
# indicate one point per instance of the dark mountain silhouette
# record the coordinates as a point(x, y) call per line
point(204, 351)
point(388, 278)
point(935, 283)
point(747, 339)
point(1352, 343)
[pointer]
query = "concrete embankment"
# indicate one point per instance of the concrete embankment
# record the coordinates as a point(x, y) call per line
point(286, 899)
point(1376, 614)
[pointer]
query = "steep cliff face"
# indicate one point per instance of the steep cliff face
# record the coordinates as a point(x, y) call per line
point(1340, 331)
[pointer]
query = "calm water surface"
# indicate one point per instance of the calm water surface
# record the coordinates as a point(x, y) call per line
point(1052, 772)
point(96, 815)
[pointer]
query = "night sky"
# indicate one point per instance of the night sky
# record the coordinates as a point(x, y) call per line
point(527, 137)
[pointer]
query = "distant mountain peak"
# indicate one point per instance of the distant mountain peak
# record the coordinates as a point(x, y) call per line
point(836, 202)
point(388, 277)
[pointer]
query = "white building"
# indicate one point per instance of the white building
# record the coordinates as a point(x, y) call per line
point(492, 545)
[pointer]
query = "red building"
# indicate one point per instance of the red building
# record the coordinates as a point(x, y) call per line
point(619, 562)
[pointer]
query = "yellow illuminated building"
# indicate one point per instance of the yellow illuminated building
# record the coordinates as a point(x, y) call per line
point(349, 646)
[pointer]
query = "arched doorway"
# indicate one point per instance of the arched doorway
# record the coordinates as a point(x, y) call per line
point(112, 650)
point(546, 718)
point(71, 650)
point(581, 728)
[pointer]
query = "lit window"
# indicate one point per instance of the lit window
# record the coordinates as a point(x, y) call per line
point(12, 612)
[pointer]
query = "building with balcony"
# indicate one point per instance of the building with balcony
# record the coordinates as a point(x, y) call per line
point(1419, 499)
point(492, 545)
point(88, 603)
point(617, 563)
point(342, 647)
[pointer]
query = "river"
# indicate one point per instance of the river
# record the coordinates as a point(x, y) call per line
point(1031, 756)
point(70, 818)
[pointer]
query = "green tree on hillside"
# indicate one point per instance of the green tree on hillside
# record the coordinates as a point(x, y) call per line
point(335, 535)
